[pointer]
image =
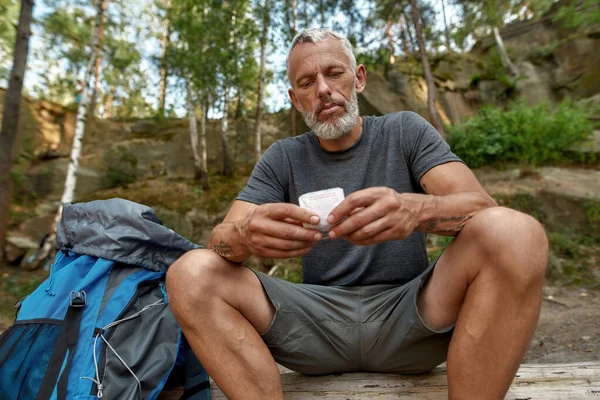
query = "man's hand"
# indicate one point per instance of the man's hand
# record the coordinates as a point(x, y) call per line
point(275, 231)
point(374, 215)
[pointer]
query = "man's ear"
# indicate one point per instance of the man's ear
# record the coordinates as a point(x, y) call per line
point(361, 78)
point(293, 98)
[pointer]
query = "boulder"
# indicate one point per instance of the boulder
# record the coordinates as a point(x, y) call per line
point(17, 247)
point(533, 85)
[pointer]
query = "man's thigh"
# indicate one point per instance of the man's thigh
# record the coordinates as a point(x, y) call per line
point(321, 330)
point(396, 339)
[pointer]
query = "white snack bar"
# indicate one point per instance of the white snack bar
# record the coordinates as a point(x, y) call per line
point(322, 203)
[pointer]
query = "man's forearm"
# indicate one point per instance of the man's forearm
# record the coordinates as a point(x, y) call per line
point(227, 241)
point(446, 215)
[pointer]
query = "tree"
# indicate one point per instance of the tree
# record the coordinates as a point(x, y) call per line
point(164, 62)
point(485, 17)
point(71, 179)
point(261, 79)
point(199, 171)
point(10, 117)
point(291, 15)
point(103, 6)
point(446, 31)
point(427, 70)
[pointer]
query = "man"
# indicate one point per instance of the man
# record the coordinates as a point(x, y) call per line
point(371, 301)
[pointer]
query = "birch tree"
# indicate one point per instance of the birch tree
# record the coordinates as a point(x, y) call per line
point(102, 9)
point(71, 179)
point(10, 117)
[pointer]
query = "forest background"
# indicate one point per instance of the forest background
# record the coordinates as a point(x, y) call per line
point(170, 103)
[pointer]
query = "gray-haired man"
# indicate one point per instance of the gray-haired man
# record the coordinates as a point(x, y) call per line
point(371, 300)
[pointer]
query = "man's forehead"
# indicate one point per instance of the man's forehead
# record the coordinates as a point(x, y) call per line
point(303, 51)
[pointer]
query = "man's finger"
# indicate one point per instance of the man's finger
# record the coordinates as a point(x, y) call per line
point(356, 221)
point(360, 199)
point(283, 230)
point(281, 211)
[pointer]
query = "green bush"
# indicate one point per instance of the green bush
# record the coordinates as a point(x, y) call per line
point(527, 135)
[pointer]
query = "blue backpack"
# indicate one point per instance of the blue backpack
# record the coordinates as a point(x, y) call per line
point(100, 326)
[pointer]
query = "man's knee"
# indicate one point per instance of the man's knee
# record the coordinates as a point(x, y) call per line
point(512, 242)
point(192, 277)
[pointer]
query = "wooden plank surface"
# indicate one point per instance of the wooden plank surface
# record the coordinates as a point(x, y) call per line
point(534, 381)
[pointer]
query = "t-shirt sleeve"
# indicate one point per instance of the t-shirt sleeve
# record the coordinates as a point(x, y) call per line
point(265, 184)
point(424, 148)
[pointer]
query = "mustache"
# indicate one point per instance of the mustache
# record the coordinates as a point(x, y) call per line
point(328, 100)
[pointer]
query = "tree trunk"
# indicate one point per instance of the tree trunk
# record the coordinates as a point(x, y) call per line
point(322, 13)
point(390, 37)
point(198, 172)
point(71, 179)
point(428, 77)
point(446, 31)
point(239, 108)
point(411, 36)
point(227, 171)
point(261, 82)
point(294, 32)
point(10, 117)
point(403, 29)
point(164, 64)
point(204, 158)
point(506, 63)
point(98, 59)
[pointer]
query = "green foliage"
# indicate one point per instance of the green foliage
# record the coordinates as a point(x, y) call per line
point(120, 167)
point(527, 135)
point(575, 14)
point(9, 14)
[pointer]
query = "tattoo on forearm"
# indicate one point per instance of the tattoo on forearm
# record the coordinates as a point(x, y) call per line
point(223, 249)
point(446, 225)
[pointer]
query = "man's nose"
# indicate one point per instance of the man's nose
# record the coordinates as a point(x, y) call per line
point(323, 89)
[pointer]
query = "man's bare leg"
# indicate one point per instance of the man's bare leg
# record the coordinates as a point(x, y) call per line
point(221, 307)
point(489, 281)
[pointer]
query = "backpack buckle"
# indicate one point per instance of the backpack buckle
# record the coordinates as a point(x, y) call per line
point(77, 299)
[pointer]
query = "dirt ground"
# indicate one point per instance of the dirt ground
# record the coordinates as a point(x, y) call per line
point(568, 330)
point(569, 327)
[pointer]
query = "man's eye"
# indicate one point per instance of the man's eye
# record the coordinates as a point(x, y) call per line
point(306, 84)
point(335, 74)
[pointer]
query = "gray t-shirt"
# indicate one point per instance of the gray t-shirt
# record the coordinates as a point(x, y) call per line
point(394, 150)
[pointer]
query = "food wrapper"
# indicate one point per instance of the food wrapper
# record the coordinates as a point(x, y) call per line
point(322, 203)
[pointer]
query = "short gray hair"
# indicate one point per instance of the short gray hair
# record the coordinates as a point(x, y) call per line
point(318, 35)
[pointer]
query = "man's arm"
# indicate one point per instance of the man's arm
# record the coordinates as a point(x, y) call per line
point(377, 215)
point(270, 230)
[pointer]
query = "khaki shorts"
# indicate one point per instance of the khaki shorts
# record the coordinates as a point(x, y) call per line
point(332, 329)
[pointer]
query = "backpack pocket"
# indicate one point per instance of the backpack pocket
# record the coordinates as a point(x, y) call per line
point(25, 352)
point(138, 351)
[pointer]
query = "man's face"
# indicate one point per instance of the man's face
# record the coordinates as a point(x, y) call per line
point(324, 87)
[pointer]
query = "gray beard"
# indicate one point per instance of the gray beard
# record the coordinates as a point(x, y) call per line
point(331, 130)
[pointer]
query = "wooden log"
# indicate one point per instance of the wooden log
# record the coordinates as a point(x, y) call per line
point(532, 382)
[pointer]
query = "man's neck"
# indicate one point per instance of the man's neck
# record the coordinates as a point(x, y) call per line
point(346, 141)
